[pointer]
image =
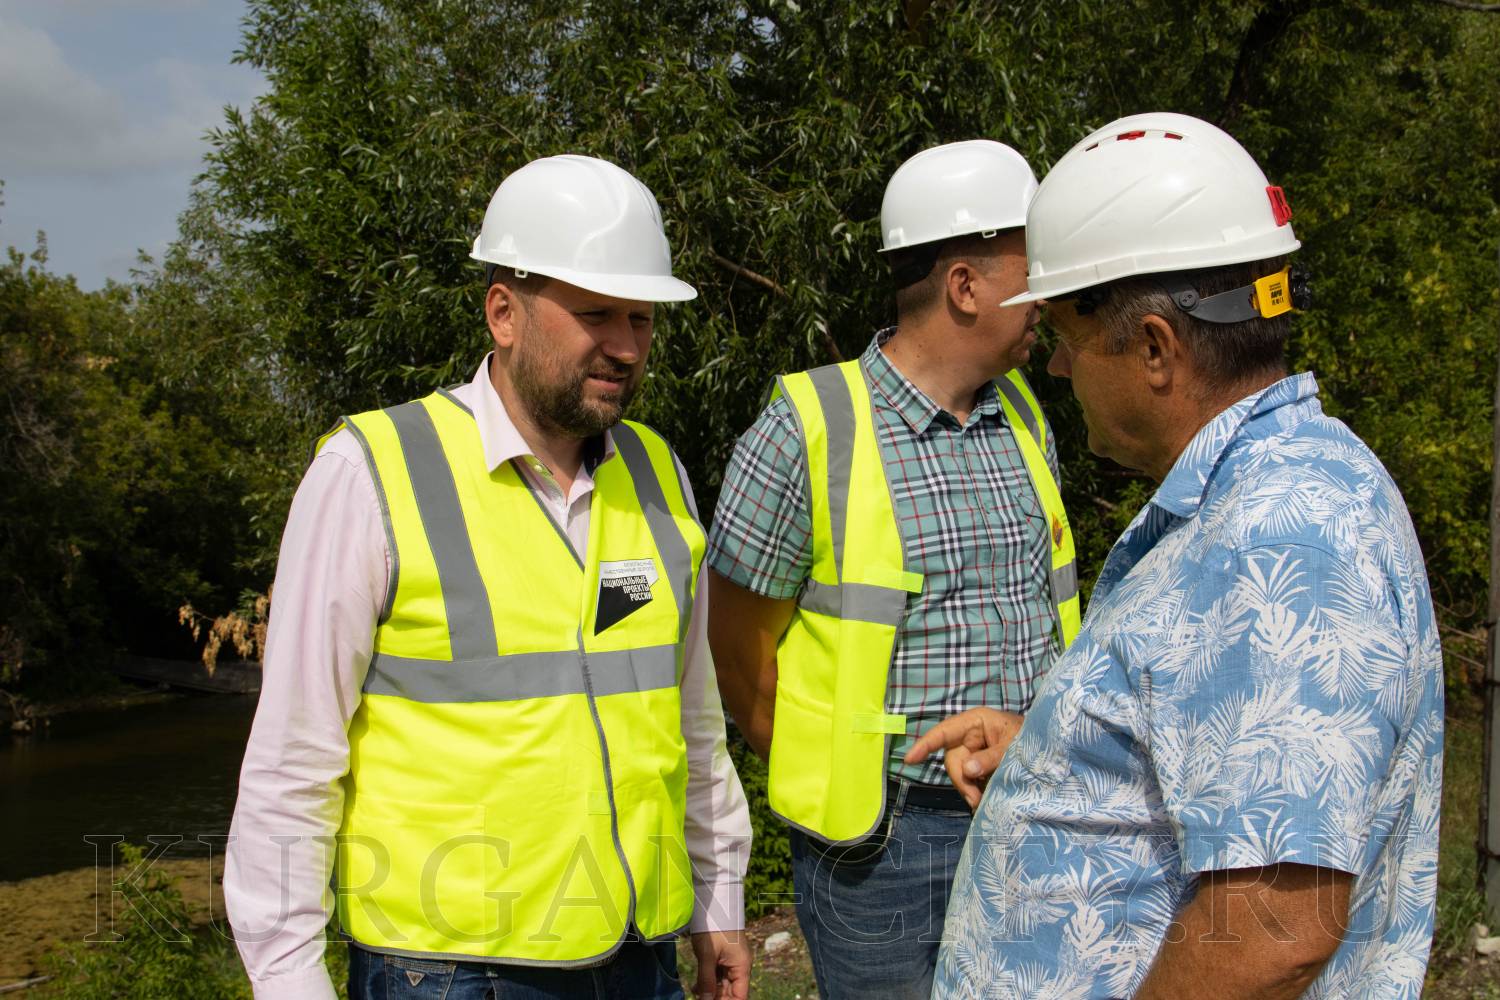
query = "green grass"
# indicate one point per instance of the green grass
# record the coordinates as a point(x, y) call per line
point(1460, 904)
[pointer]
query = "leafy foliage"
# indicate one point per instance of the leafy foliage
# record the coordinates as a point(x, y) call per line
point(343, 202)
point(120, 500)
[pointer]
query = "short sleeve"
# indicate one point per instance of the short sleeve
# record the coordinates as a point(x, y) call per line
point(1276, 700)
point(762, 529)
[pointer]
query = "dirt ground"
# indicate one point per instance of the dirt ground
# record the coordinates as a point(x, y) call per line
point(37, 914)
point(1475, 977)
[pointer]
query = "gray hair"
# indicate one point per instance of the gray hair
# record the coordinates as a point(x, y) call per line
point(1225, 355)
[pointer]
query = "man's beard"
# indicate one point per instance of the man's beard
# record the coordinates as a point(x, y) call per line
point(558, 403)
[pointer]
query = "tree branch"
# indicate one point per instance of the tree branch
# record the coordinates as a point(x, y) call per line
point(1256, 48)
point(1105, 505)
point(769, 284)
point(774, 287)
point(1483, 8)
point(914, 9)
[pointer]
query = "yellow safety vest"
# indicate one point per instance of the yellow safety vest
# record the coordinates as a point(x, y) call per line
point(831, 736)
point(517, 771)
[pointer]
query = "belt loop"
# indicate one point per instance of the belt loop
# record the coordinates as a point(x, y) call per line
point(902, 785)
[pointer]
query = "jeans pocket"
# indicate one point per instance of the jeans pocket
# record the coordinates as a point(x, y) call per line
point(864, 852)
point(665, 953)
point(417, 979)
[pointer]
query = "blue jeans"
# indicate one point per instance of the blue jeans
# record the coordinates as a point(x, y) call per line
point(638, 971)
point(873, 913)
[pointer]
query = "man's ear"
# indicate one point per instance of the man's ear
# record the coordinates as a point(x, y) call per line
point(501, 315)
point(959, 287)
point(1161, 351)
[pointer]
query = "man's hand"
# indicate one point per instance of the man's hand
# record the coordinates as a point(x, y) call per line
point(975, 741)
point(723, 966)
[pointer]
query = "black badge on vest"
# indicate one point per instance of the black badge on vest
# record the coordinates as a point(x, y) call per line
point(624, 588)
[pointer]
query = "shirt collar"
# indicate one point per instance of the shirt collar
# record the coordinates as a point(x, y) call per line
point(914, 405)
point(1276, 407)
point(500, 438)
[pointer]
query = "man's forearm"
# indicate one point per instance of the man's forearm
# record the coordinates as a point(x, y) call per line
point(1254, 934)
point(744, 629)
point(754, 712)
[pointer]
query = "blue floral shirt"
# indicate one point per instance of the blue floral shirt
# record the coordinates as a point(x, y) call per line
point(1258, 680)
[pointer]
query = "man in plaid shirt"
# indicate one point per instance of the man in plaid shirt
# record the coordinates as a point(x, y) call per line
point(981, 627)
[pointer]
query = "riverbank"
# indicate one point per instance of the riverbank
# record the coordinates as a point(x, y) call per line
point(22, 715)
point(38, 915)
point(129, 682)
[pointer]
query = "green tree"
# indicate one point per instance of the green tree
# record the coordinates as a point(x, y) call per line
point(350, 193)
point(344, 201)
point(122, 497)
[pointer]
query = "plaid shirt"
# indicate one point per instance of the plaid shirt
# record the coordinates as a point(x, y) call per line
point(981, 630)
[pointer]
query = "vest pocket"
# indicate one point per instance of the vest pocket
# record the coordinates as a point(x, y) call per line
point(413, 874)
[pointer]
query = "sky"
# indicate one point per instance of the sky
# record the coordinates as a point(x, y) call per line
point(104, 105)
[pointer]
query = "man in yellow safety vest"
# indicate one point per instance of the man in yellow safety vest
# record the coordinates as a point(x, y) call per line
point(489, 718)
point(890, 547)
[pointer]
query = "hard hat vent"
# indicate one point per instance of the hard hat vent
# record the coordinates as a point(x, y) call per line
point(1115, 206)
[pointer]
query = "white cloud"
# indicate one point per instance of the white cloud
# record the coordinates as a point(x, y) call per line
point(56, 118)
point(46, 107)
point(103, 109)
point(73, 7)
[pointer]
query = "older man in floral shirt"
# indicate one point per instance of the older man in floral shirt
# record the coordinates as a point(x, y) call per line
point(1229, 785)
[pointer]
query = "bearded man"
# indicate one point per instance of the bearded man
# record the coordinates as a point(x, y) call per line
point(489, 719)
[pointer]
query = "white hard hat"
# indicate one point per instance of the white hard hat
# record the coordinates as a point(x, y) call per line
point(978, 186)
point(584, 221)
point(1149, 194)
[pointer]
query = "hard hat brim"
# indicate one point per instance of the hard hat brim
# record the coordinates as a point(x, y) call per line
point(1024, 298)
point(1188, 259)
point(639, 287)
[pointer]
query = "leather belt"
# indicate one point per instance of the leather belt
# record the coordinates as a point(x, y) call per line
point(926, 796)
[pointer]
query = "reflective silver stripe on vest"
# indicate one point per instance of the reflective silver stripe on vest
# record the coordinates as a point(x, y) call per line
point(1065, 584)
point(675, 556)
point(466, 600)
point(393, 578)
point(518, 676)
point(853, 601)
point(1021, 405)
point(838, 418)
point(1064, 579)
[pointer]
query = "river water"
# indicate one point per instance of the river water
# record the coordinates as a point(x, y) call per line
point(165, 769)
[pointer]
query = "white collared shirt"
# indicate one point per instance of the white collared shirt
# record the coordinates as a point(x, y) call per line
point(330, 585)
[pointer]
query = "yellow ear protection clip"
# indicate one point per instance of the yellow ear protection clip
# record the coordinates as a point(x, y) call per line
point(1278, 293)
